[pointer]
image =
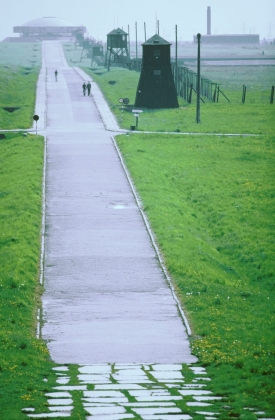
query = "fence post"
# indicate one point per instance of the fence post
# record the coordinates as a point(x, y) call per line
point(244, 93)
point(190, 94)
point(272, 95)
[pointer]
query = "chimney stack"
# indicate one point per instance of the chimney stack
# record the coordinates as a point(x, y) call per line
point(208, 20)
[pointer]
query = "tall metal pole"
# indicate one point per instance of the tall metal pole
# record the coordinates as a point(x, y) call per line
point(145, 31)
point(176, 59)
point(129, 41)
point(198, 116)
point(158, 26)
point(136, 50)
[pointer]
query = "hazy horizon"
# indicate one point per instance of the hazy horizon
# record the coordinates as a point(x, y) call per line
point(234, 17)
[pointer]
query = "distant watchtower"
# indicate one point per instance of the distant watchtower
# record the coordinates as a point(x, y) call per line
point(156, 87)
point(117, 49)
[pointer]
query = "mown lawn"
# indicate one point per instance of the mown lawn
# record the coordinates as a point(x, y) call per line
point(210, 202)
point(24, 359)
point(19, 70)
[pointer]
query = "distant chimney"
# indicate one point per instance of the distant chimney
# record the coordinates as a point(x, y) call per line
point(208, 20)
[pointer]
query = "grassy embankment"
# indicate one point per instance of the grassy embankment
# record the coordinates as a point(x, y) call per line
point(24, 360)
point(210, 201)
point(19, 68)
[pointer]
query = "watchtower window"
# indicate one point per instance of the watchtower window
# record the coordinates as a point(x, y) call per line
point(123, 38)
point(156, 53)
point(157, 72)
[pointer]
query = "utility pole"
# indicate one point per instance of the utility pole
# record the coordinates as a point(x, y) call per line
point(129, 41)
point(145, 31)
point(176, 59)
point(198, 116)
point(136, 50)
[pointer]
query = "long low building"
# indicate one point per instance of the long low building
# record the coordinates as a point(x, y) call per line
point(229, 39)
point(48, 28)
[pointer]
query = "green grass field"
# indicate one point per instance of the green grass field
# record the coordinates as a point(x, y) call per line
point(210, 202)
point(24, 360)
point(19, 69)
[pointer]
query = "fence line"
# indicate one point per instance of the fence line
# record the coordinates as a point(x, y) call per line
point(185, 80)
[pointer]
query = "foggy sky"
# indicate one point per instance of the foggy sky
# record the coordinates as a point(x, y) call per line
point(102, 16)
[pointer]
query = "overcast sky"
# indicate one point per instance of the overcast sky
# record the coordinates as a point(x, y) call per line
point(102, 16)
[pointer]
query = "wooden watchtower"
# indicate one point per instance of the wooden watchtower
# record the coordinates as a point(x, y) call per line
point(156, 87)
point(117, 49)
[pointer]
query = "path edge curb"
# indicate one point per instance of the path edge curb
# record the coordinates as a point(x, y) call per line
point(150, 232)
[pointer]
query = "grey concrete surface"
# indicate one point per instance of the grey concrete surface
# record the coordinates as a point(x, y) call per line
point(106, 298)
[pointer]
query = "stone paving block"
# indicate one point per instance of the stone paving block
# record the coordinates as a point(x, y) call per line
point(66, 409)
point(111, 409)
point(93, 379)
point(95, 369)
point(156, 410)
point(49, 415)
point(158, 398)
point(98, 394)
point(58, 394)
point(111, 417)
point(71, 387)
point(193, 392)
point(119, 386)
point(163, 376)
point(60, 401)
point(110, 400)
point(63, 381)
point(207, 398)
point(167, 417)
point(149, 393)
point(62, 368)
point(150, 404)
point(169, 368)
point(207, 413)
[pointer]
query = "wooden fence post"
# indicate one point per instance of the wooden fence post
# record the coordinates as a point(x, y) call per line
point(244, 94)
point(272, 95)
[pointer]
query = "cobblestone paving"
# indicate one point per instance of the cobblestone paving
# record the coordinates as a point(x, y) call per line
point(134, 391)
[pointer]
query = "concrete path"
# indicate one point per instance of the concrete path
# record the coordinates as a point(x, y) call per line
point(106, 298)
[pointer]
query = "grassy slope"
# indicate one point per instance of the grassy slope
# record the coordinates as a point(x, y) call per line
point(23, 358)
point(19, 69)
point(211, 205)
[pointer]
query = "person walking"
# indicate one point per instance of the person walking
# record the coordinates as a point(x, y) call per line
point(84, 87)
point(89, 87)
point(56, 73)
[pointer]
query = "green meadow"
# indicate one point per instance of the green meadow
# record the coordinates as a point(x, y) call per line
point(210, 202)
point(19, 69)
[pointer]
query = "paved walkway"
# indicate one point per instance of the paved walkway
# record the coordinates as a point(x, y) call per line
point(106, 298)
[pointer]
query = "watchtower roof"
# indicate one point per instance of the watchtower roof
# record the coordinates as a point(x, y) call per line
point(156, 40)
point(117, 31)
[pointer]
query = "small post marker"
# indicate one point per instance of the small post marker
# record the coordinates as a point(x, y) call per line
point(136, 114)
point(36, 118)
point(198, 114)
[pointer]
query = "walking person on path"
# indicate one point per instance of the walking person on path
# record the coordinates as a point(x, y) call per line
point(89, 88)
point(56, 73)
point(84, 87)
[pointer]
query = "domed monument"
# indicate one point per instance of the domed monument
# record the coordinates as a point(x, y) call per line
point(48, 27)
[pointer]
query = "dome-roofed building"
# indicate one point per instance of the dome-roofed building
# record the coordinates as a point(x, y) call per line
point(48, 27)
